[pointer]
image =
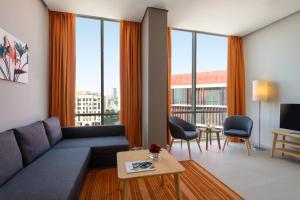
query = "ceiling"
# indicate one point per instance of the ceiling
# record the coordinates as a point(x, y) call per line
point(228, 17)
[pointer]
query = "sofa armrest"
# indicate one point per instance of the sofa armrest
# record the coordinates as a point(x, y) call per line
point(93, 131)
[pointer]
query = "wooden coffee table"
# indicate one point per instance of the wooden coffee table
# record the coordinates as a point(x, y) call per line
point(166, 164)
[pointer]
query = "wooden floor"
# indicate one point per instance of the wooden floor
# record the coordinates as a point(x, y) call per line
point(196, 183)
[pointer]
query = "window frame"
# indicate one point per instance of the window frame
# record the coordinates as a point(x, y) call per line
point(194, 110)
point(102, 113)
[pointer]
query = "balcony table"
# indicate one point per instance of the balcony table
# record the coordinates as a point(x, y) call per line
point(208, 135)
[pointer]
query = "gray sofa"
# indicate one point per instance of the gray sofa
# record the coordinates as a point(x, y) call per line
point(45, 161)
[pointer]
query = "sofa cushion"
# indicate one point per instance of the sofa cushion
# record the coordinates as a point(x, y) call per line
point(103, 149)
point(57, 175)
point(93, 131)
point(97, 144)
point(53, 130)
point(32, 140)
point(10, 156)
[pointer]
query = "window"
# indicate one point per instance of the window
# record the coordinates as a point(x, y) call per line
point(199, 71)
point(97, 71)
point(182, 74)
point(111, 70)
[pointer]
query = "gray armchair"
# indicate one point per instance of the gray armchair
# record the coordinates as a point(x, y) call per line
point(238, 126)
point(182, 130)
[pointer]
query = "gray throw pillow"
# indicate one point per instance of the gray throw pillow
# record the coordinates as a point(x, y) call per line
point(33, 141)
point(10, 156)
point(53, 130)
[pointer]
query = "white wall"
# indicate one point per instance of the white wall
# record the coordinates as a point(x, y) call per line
point(273, 54)
point(21, 104)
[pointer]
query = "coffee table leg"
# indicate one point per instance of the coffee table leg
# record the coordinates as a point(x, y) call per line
point(177, 184)
point(218, 138)
point(199, 136)
point(124, 190)
point(206, 140)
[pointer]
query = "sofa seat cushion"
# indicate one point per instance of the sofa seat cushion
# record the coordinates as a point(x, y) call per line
point(53, 130)
point(97, 144)
point(57, 175)
point(32, 140)
point(236, 133)
point(103, 149)
point(10, 156)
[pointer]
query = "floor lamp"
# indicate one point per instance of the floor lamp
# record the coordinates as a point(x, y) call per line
point(260, 92)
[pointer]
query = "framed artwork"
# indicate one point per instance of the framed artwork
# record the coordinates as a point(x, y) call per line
point(13, 58)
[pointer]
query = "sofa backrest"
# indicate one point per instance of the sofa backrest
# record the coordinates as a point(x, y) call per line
point(32, 140)
point(53, 130)
point(10, 156)
point(93, 131)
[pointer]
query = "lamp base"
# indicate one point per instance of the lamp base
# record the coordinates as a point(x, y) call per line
point(257, 148)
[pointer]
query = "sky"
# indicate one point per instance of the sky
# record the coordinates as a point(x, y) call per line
point(88, 59)
point(211, 54)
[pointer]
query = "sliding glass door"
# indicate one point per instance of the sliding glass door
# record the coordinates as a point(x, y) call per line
point(198, 82)
point(181, 79)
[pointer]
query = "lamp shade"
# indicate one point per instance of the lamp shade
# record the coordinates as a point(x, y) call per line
point(260, 90)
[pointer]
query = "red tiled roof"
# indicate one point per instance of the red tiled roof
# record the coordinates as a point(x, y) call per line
point(213, 77)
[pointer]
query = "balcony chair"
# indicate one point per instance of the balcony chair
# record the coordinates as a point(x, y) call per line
point(240, 127)
point(182, 130)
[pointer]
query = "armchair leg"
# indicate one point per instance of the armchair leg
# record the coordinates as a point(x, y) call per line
point(225, 142)
point(171, 144)
point(198, 142)
point(188, 143)
point(247, 146)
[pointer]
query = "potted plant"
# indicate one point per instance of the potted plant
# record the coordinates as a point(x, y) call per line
point(154, 151)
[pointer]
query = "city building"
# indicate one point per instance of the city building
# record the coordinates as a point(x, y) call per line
point(112, 102)
point(87, 104)
point(88, 108)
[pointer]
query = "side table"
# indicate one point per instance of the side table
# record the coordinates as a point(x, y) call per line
point(208, 135)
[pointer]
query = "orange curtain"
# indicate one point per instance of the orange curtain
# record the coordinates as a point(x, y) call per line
point(235, 78)
point(169, 80)
point(62, 66)
point(130, 71)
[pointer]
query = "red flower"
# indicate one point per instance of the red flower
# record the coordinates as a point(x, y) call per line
point(155, 148)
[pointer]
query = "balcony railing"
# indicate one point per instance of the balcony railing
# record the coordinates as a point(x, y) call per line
point(202, 116)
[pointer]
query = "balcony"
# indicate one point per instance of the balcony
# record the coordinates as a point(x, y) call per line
point(203, 114)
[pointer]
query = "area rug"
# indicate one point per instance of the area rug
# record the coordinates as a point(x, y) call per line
point(196, 183)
